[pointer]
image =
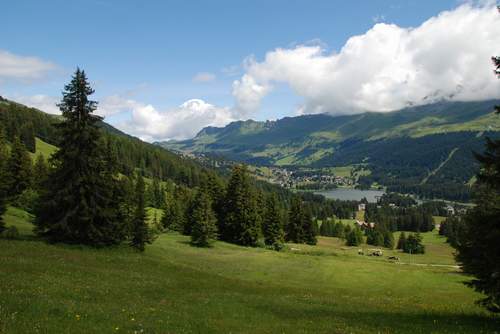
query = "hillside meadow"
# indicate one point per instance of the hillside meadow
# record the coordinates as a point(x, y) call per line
point(176, 288)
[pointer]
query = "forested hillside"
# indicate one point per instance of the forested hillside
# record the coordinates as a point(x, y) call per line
point(425, 150)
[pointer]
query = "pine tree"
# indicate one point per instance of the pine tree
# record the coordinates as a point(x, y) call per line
point(241, 221)
point(294, 228)
point(272, 226)
point(3, 178)
point(388, 239)
point(40, 172)
point(140, 231)
point(477, 243)
point(79, 206)
point(401, 241)
point(310, 228)
point(19, 169)
point(413, 244)
point(204, 227)
point(27, 137)
point(354, 237)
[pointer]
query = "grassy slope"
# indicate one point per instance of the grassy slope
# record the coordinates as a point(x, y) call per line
point(43, 148)
point(174, 287)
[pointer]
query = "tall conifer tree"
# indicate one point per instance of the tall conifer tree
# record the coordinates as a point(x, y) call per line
point(272, 226)
point(3, 178)
point(241, 221)
point(140, 230)
point(19, 169)
point(479, 236)
point(204, 224)
point(78, 207)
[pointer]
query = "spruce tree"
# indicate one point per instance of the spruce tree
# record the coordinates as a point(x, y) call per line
point(140, 231)
point(204, 224)
point(272, 226)
point(388, 239)
point(294, 228)
point(19, 169)
point(478, 240)
point(3, 178)
point(354, 237)
point(40, 172)
point(241, 221)
point(27, 137)
point(401, 241)
point(79, 205)
point(310, 228)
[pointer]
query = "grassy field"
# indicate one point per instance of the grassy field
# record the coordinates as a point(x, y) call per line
point(175, 288)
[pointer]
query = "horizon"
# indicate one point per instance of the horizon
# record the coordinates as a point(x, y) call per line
point(161, 92)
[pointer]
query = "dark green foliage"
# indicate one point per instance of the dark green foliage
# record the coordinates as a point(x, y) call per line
point(452, 228)
point(272, 225)
point(241, 221)
point(174, 213)
point(80, 205)
point(28, 200)
point(479, 238)
point(140, 231)
point(40, 173)
point(204, 223)
point(374, 237)
point(155, 194)
point(27, 136)
point(401, 241)
point(310, 228)
point(19, 169)
point(388, 239)
point(3, 178)
point(327, 228)
point(354, 237)
point(413, 218)
point(413, 244)
point(300, 227)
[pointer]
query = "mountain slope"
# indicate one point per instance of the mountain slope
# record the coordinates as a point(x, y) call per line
point(401, 148)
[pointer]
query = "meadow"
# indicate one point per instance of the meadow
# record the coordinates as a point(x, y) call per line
point(176, 288)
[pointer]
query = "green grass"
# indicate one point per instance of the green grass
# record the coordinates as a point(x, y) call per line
point(43, 148)
point(176, 288)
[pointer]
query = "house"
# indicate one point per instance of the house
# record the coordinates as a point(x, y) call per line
point(450, 210)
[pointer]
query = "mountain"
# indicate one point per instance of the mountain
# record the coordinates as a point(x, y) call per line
point(132, 153)
point(419, 149)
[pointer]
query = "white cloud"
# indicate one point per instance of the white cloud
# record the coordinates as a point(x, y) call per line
point(179, 123)
point(115, 104)
point(15, 67)
point(204, 77)
point(41, 102)
point(388, 67)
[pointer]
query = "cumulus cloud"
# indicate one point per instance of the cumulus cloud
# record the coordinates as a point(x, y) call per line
point(386, 68)
point(204, 77)
point(115, 104)
point(41, 102)
point(182, 122)
point(15, 67)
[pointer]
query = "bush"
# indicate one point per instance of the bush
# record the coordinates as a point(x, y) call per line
point(413, 244)
point(11, 233)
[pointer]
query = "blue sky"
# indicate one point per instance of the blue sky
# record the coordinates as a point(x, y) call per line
point(151, 52)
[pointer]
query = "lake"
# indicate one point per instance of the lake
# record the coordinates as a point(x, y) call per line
point(347, 194)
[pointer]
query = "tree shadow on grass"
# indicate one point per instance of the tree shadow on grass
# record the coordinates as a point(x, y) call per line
point(370, 321)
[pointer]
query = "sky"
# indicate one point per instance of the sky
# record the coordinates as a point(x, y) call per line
point(165, 69)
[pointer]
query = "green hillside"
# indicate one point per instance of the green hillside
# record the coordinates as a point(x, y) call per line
point(174, 288)
point(402, 149)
